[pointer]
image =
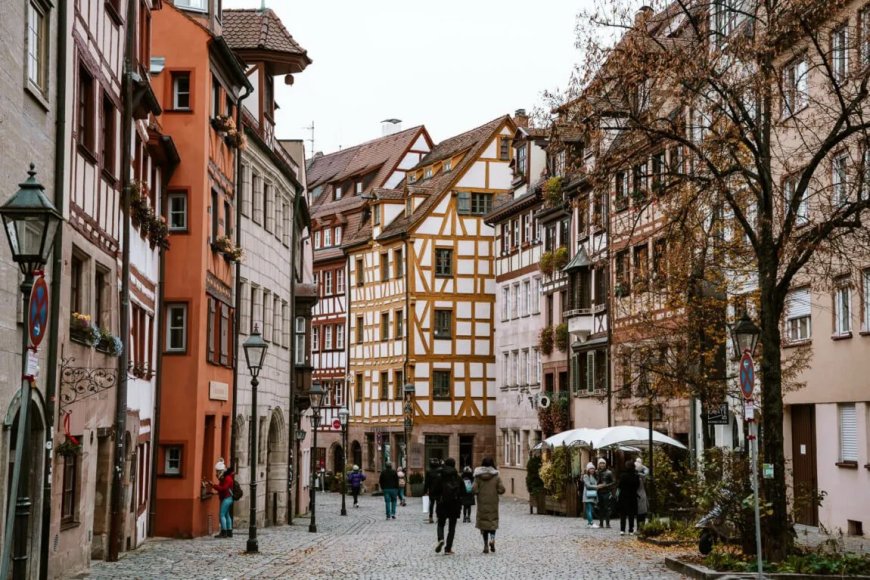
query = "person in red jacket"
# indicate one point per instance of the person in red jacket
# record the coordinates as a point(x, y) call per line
point(224, 489)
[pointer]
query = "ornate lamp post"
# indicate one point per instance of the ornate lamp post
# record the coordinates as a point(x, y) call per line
point(744, 338)
point(342, 418)
point(30, 221)
point(255, 353)
point(315, 394)
point(409, 425)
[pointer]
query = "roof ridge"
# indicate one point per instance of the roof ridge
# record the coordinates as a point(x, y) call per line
point(369, 142)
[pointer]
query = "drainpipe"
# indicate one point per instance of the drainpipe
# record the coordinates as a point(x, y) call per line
point(238, 287)
point(158, 384)
point(291, 384)
point(609, 295)
point(116, 531)
point(56, 274)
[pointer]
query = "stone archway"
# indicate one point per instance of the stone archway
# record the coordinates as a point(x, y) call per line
point(276, 470)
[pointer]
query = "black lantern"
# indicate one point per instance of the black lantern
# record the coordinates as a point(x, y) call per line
point(315, 395)
point(744, 335)
point(300, 434)
point(255, 351)
point(30, 221)
point(343, 414)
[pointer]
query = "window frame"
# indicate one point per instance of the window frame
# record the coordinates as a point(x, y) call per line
point(437, 390)
point(38, 54)
point(842, 310)
point(177, 471)
point(845, 447)
point(69, 489)
point(439, 263)
point(175, 77)
point(168, 347)
point(85, 104)
point(186, 5)
point(385, 326)
point(170, 198)
point(840, 52)
point(439, 331)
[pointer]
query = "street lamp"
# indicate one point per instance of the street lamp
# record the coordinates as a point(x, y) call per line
point(30, 221)
point(315, 395)
point(255, 353)
point(744, 335)
point(409, 424)
point(342, 418)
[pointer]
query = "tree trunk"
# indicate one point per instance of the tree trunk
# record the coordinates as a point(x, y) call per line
point(778, 534)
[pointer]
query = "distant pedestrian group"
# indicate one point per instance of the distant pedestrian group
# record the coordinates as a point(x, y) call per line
point(599, 485)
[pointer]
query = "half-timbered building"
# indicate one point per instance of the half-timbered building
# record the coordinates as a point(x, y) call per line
point(339, 185)
point(422, 299)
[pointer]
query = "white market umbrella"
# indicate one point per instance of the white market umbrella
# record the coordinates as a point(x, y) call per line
point(630, 435)
point(580, 436)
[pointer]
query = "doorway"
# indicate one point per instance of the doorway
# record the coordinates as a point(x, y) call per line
point(466, 451)
point(338, 458)
point(803, 450)
point(102, 486)
point(356, 453)
point(437, 447)
point(276, 471)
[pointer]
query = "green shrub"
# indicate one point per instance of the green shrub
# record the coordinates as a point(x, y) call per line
point(546, 263)
point(561, 257)
point(534, 483)
point(561, 337)
point(556, 472)
point(415, 477)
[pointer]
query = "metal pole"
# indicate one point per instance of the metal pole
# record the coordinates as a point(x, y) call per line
point(407, 451)
point(253, 546)
point(651, 498)
point(19, 495)
point(753, 429)
point(344, 468)
point(312, 527)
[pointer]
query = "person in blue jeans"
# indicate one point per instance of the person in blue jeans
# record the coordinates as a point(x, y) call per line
point(590, 494)
point(389, 482)
point(224, 489)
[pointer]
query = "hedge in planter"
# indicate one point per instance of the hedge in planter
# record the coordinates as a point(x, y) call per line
point(561, 337)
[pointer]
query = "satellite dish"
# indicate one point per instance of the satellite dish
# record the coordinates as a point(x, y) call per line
point(544, 402)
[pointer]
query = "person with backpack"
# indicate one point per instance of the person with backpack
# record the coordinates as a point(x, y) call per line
point(449, 491)
point(468, 498)
point(225, 488)
point(389, 482)
point(487, 487)
point(401, 474)
point(355, 478)
point(429, 482)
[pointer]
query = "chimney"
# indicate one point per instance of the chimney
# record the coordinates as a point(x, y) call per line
point(390, 126)
point(642, 15)
point(521, 118)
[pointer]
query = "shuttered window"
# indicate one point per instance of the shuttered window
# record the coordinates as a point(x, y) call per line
point(797, 315)
point(848, 433)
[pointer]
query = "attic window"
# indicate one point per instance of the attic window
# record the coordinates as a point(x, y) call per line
point(376, 215)
point(336, 195)
point(448, 165)
point(427, 173)
point(359, 187)
point(192, 4)
point(412, 177)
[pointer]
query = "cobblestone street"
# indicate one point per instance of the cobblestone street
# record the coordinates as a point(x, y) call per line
point(364, 545)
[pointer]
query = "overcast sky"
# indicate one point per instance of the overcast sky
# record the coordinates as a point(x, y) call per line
point(450, 65)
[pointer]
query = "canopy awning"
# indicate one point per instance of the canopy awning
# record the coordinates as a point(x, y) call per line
point(622, 436)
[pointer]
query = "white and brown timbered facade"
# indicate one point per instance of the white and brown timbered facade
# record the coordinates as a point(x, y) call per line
point(422, 302)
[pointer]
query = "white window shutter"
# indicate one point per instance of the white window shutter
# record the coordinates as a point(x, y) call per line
point(797, 304)
point(848, 433)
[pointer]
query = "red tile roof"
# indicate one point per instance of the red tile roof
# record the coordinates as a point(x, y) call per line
point(249, 29)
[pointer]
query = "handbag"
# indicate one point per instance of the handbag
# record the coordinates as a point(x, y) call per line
point(425, 504)
point(591, 493)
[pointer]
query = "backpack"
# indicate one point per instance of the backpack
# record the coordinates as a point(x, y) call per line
point(468, 485)
point(451, 489)
point(237, 491)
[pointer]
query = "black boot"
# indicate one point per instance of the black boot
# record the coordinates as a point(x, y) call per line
point(229, 533)
point(223, 534)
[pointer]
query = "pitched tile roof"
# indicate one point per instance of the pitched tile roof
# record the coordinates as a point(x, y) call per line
point(249, 29)
point(472, 142)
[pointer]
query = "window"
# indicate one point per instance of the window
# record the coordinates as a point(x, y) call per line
point(327, 337)
point(843, 310)
point(839, 179)
point(515, 300)
point(522, 152)
point(443, 323)
point(518, 447)
point(840, 52)
point(108, 137)
point(384, 387)
point(801, 214)
point(620, 201)
point(339, 336)
point(641, 266)
point(625, 374)
point(385, 267)
point(638, 183)
point(228, 219)
point(798, 315)
point(360, 327)
point(336, 235)
point(443, 262)
point(385, 326)
point(504, 149)
point(315, 338)
point(864, 31)
point(400, 323)
point(398, 385)
point(398, 263)
point(100, 290)
point(336, 193)
point(658, 172)
point(299, 344)
point(215, 216)
point(473, 203)
point(527, 297)
point(360, 272)
point(37, 46)
point(192, 4)
point(866, 300)
point(327, 233)
point(172, 460)
point(505, 303)
point(536, 293)
point(76, 267)
point(358, 388)
point(376, 215)
point(848, 433)
point(181, 91)
point(339, 281)
point(85, 121)
point(795, 87)
point(176, 327)
point(68, 511)
point(506, 454)
point(441, 384)
point(538, 367)
point(317, 244)
point(659, 269)
point(327, 283)
point(447, 167)
point(623, 282)
point(177, 212)
point(215, 98)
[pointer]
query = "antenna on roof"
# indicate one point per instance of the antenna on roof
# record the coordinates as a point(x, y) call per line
point(262, 5)
point(311, 128)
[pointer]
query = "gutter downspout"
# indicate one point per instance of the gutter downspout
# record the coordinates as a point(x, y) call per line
point(158, 384)
point(609, 295)
point(116, 532)
point(56, 273)
point(291, 385)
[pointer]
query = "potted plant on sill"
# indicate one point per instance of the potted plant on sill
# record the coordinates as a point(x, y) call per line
point(230, 251)
point(158, 233)
point(553, 191)
point(81, 329)
point(223, 123)
point(109, 343)
point(236, 139)
point(545, 340)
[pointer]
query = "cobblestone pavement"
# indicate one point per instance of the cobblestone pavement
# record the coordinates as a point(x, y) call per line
point(364, 545)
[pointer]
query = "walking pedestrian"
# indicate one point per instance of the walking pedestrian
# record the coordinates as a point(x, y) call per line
point(355, 479)
point(627, 498)
point(449, 490)
point(430, 481)
point(389, 482)
point(590, 494)
point(606, 484)
point(401, 474)
point(224, 489)
point(468, 498)
point(487, 487)
point(642, 499)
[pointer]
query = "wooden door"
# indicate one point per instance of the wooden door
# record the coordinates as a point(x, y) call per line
point(803, 444)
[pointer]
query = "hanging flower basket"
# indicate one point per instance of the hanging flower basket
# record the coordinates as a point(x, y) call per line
point(69, 447)
point(236, 139)
point(158, 233)
point(546, 263)
point(231, 252)
point(223, 123)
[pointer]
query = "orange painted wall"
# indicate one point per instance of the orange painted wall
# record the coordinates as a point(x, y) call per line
point(184, 402)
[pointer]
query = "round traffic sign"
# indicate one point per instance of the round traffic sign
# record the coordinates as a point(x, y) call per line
point(37, 316)
point(336, 424)
point(747, 375)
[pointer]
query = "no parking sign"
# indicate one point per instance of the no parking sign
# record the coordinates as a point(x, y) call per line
point(37, 315)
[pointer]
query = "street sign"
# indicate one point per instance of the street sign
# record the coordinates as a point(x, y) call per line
point(336, 424)
point(767, 470)
point(37, 315)
point(719, 415)
point(747, 375)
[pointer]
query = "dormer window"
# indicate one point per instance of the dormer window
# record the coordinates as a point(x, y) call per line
point(521, 160)
point(504, 149)
point(336, 195)
point(359, 187)
point(448, 166)
point(376, 215)
point(200, 5)
point(427, 173)
point(412, 177)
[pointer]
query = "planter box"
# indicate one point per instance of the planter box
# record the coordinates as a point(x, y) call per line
point(81, 336)
point(554, 506)
point(538, 503)
point(416, 489)
point(704, 573)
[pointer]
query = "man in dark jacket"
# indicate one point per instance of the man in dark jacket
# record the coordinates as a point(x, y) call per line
point(606, 485)
point(430, 484)
point(389, 482)
point(450, 490)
